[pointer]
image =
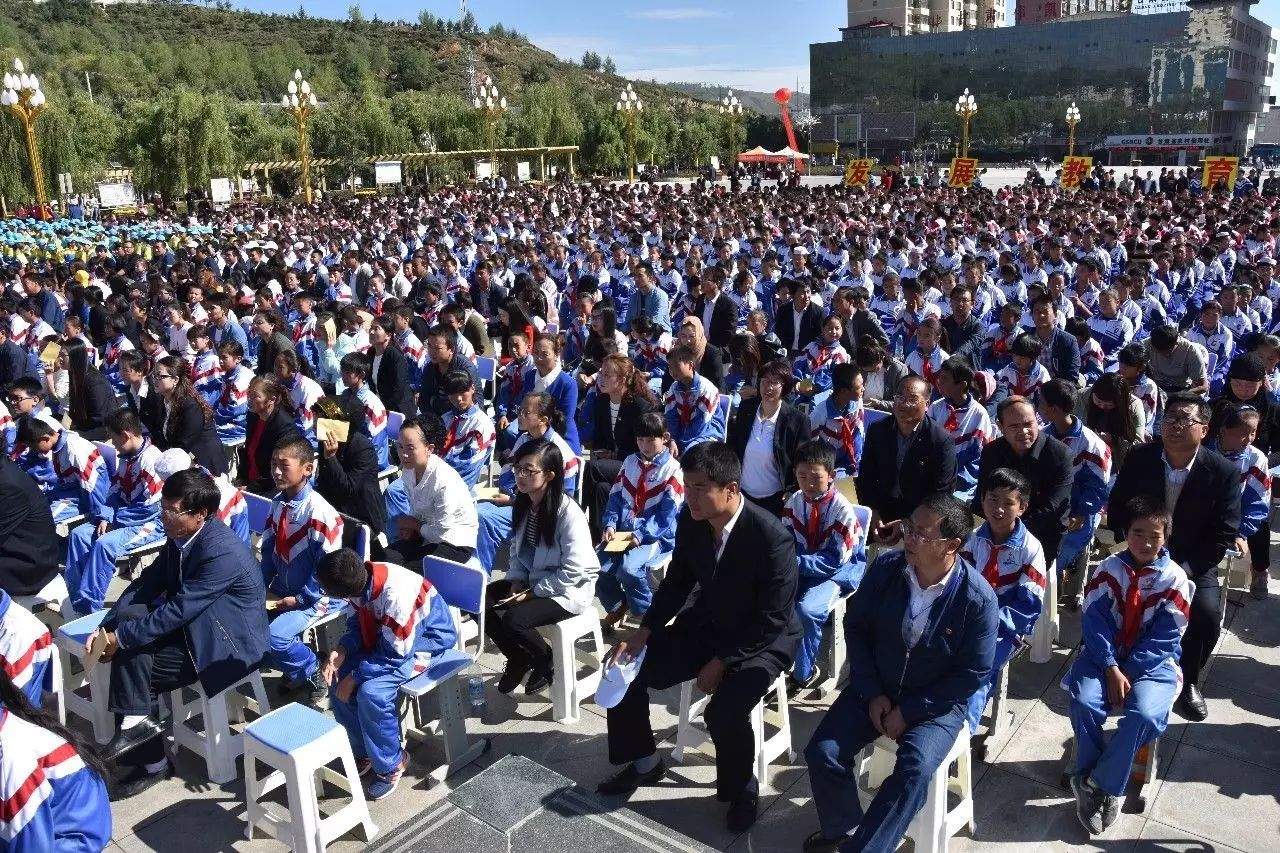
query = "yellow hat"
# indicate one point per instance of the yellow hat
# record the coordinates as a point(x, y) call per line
point(82, 276)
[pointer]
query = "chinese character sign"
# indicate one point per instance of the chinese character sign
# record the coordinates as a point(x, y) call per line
point(1220, 168)
point(857, 173)
point(963, 172)
point(1074, 171)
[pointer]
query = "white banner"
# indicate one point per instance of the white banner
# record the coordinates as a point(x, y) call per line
point(387, 172)
point(117, 195)
point(523, 171)
point(220, 190)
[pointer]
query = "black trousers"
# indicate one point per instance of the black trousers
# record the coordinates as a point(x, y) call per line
point(599, 477)
point(514, 627)
point(1260, 547)
point(676, 654)
point(1202, 627)
point(409, 553)
point(139, 675)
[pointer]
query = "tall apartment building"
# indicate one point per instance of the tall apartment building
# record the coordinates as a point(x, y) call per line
point(913, 17)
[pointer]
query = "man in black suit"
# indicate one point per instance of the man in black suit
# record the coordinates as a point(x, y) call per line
point(1202, 490)
point(905, 459)
point(715, 309)
point(14, 363)
point(1046, 462)
point(487, 296)
point(850, 303)
point(799, 323)
point(739, 633)
point(389, 376)
point(29, 550)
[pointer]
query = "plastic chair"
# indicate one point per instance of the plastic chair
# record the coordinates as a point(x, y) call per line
point(1141, 773)
point(53, 595)
point(70, 640)
point(463, 586)
point(297, 742)
point(258, 510)
point(569, 689)
point(395, 420)
point(769, 747)
point(217, 743)
point(721, 418)
point(1045, 633)
point(931, 829)
point(836, 650)
point(440, 680)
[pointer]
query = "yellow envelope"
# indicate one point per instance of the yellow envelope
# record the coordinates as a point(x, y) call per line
point(95, 651)
point(486, 493)
point(848, 487)
point(618, 544)
point(49, 355)
point(326, 427)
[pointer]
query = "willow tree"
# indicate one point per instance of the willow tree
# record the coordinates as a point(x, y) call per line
point(180, 142)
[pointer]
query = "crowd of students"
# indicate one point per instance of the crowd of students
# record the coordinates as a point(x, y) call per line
point(387, 362)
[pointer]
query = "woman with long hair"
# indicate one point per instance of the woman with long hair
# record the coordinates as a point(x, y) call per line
point(270, 419)
point(303, 391)
point(90, 397)
point(709, 360)
point(188, 421)
point(514, 321)
point(1109, 409)
point(553, 567)
point(608, 425)
point(52, 780)
point(743, 377)
point(604, 337)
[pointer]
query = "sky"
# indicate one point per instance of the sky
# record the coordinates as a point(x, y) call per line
point(741, 43)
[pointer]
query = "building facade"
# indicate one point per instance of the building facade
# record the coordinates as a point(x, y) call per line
point(1200, 71)
point(913, 17)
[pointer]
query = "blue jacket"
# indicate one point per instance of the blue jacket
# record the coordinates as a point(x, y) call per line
point(1064, 356)
point(564, 390)
point(951, 661)
point(215, 595)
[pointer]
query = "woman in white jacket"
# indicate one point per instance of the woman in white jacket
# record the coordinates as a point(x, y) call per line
point(553, 568)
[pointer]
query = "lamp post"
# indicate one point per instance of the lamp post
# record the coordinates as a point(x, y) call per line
point(966, 108)
point(300, 102)
point(1073, 118)
point(629, 104)
point(731, 108)
point(493, 106)
point(24, 98)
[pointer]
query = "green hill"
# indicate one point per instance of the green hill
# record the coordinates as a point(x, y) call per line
point(182, 93)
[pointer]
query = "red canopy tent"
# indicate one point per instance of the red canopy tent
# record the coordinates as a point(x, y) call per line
point(755, 155)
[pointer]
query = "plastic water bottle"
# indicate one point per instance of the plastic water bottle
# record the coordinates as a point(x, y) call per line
point(475, 690)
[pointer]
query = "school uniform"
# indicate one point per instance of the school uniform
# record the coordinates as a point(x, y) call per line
point(468, 442)
point(692, 412)
point(26, 650)
point(645, 500)
point(816, 361)
point(231, 409)
point(73, 476)
point(970, 427)
point(844, 430)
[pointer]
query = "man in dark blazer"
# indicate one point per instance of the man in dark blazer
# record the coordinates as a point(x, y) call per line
point(1061, 350)
point(389, 376)
point(738, 634)
point(1046, 462)
point(1202, 491)
point(29, 552)
point(194, 615)
point(14, 363)
point(442, 350)
point(715, 306)
point(800, 323)
point(859, 323)
point(905, 458)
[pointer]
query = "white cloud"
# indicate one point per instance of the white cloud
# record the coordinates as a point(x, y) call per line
point(763, 79)
point(677, 14)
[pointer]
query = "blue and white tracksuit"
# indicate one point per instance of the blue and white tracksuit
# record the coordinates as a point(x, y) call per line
point(206, 376)
point(1016, 571)
point(53, 801)
point(26, 650)
point(231, 409)
point(468, 442)
point(832, 557)
point(111, 362)
point(512, 388)
point(645, 500)
point(395, 628)
point(1255, 484)
point(1146, 390)
point(495, 521)
point(1010, 382)
point(414, 354)
point(1220, 344)
point(844, 431)
point(1090, 485)
point(650, 355)
point(73, 476)
point(304, 392)
point(233, 511)
point(692, 412)
point(133, 510)
point(971, 429)
point(1112, 334)
point(375, 422)
point(1092, 361)
point(8, 429)
point(1133, 618)
point(304, 339)
point(816, 360)
point(299, 532)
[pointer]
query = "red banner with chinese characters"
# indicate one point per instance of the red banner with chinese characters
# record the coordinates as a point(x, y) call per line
point(964, 171)
point(1074, 171)
point(1218, 168)
point(857, 173)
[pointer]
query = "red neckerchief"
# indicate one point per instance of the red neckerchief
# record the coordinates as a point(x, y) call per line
point(1131, 609)
point(846, 438)
point(991, 571)
point(926, 365)
point(813, 526)
point(642, 488)
point(952, 425)
point(451, 437)
point(369, 625)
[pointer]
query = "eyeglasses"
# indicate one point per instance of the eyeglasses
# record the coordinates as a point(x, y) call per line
point(1182, 422)
point(16, 400)
point(172, 513)
point(904, 398)
point(915, 534)
point(159, 376)
point(526, 471)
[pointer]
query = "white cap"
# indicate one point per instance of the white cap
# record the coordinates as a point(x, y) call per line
point(616, 678)
point(171, 462)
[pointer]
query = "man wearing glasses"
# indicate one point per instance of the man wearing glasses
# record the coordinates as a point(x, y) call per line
point(922, 639)
point(195, 614)
point(1204, 524)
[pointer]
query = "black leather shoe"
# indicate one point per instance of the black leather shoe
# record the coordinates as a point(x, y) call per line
point(512, 674)
point(629, 778)
point(539, 680)
point(139, 780)
point(819, 843)
point(1191, 704)
point(127, 739)
point(742, 813)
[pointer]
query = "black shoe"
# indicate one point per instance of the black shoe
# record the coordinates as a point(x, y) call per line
point(742, 813)
point(1191, 704)
point(139, 780)
point(540, 680)
point(629, 778)
point(127, 739)
point(795, 685)
point(512, 675)
point(819, 843)
point(317, 690)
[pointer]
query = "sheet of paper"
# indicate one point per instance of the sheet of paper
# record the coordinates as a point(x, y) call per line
point(486, 493)
point(617, 545)
point(95, 652)
point(49, 355)
point(273, 600)
point(326, 427)
point(848, 487)
point(331, 331)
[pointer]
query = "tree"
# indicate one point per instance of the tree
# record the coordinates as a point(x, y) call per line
point(591, 61)
point(354, 15)
point(181, 142)
point(468, 23)
point(302, 12)
point(609, 67)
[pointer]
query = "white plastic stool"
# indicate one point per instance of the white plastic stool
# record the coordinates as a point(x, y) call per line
point(931, 829)
point(769, 747)
point(217, 743)
point(70, 640)
point(297, 742)
point(56, 690)
point(54, 596)
point(1046, 630)
point(568, 689)
point(836, 645)
point(996, 702)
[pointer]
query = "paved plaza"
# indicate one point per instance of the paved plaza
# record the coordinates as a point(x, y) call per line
point(1218, 787)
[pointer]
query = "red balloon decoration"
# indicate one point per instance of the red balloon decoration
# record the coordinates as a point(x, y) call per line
point(782, 96)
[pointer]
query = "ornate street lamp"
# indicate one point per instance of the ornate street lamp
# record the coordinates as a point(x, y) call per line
point(630, 105)
point(966, 108)
point(25, 99)
point(1073, 118)
point(492, 105)
point(300, 102)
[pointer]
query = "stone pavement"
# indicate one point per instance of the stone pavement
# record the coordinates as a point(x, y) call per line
point(1218, 785)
